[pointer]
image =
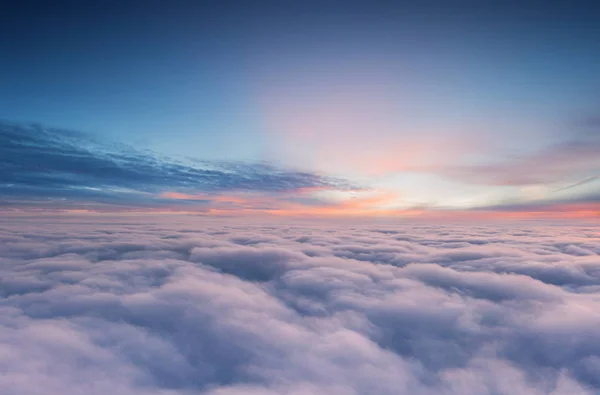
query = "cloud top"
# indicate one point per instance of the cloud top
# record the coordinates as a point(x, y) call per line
point(225, 308)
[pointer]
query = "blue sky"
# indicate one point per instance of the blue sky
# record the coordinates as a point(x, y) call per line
point(444, 105)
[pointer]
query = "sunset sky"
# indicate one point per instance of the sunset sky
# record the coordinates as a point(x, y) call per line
point(300, 197)
point(329, 108)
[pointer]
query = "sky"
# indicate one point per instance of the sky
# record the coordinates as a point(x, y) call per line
point(456, 108)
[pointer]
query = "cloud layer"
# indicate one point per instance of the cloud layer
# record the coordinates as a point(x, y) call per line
point(55, 168)
point(577, 156)
point(125, 306)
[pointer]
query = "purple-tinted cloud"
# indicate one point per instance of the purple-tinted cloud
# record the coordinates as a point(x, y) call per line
point(576, 157)
point(94, 306)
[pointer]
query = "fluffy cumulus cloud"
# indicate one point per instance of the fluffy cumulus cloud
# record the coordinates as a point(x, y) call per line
point(189, 306)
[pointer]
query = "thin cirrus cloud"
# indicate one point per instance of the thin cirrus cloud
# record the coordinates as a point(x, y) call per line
point(576, 157)
point(52, 168)
point(579, 183)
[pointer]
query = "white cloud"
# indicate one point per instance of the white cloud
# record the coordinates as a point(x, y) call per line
point(224, 308)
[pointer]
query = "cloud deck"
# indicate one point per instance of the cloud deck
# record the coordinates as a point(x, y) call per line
point(196, 306)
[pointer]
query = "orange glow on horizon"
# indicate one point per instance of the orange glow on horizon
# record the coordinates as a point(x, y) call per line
point(376, 204)
point(565, 212)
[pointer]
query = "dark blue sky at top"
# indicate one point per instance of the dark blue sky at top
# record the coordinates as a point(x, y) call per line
point(139, 69)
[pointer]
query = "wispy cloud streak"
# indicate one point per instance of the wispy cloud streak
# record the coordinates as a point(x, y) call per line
point(578, 156)
point(580, 183)
point(50, 166)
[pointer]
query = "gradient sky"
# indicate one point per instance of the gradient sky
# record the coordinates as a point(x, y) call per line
point(307, 108)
